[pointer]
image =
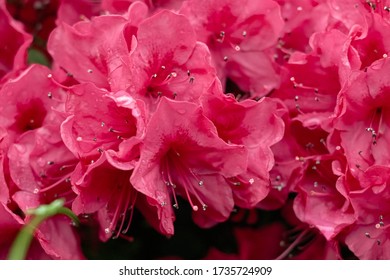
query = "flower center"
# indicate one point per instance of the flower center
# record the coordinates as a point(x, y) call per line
point(163, 82)
point(376, 127)
point(31, 115)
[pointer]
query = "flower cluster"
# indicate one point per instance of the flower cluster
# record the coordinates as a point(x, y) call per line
point(229, 107)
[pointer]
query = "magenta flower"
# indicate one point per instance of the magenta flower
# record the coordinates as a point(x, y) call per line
point(15, 41)
point(121, 6)
point(105, 191)
point(361, 118)
point(322, 199)
point(29, 102)
point(368, 238)
point(239, 34)
point(183, 155)
point(162, 65)
point(253, 125)
point(113, 122)
point(39, 163)
point(72, 11)
point(99, 45)
point(302, 19)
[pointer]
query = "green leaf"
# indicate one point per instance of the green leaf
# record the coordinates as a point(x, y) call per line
point(23, 240)
point(36, 56)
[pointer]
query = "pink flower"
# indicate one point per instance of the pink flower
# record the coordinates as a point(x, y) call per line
point(373, 45)
point(322, 199)
point(301, 141)
point(15, 41)
point(302, 19)
point(238, 34)
point(311, 82)
point(105, 191)
point(72, 11)
point(100, 46)
point(40, 163)
point(4, 189)
point(168, 61)
point(368, 238)
point(30, 101)
point(256, 126)
point(113, 122)
point(361, 118)
point(121, 6)
point(183, 155)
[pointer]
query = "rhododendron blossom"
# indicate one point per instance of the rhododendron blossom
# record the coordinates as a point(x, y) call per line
point(183, 155)
point(15, 41)
point(239, 34)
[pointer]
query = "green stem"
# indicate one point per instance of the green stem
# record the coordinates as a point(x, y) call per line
point(23, 240)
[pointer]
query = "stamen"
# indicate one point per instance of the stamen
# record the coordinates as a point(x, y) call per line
point(174, 160)
point(221, 37)
point(293, 245)
point(63, 179)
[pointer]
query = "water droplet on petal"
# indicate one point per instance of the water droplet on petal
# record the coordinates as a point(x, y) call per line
point(107, 230)
point(79, 139)
point(195, 208)
point(36, 190)
point(200, 183)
